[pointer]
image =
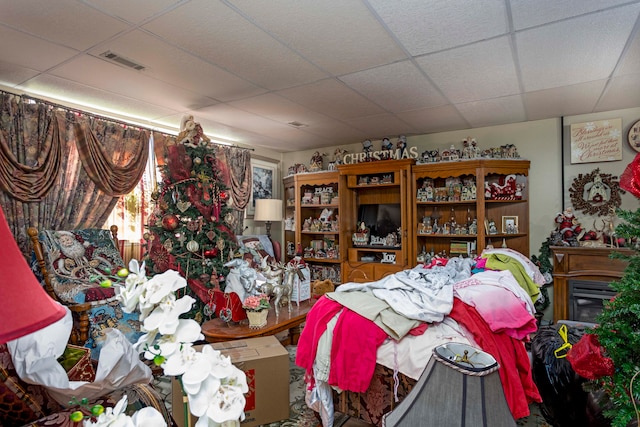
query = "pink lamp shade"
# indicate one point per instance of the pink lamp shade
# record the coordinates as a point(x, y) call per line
point(24, 304)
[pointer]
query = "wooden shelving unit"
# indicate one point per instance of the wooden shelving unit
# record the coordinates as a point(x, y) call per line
point(381, 183)
point(307, 197)
point(459, 197)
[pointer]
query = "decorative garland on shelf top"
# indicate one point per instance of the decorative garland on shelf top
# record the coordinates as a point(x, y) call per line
point(596, 193)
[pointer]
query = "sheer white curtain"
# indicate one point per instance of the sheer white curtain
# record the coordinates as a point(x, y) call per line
point(132, 210)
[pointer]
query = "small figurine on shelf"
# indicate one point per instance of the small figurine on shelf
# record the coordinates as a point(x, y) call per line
point(473, 227)
point(361, 236)
point(387, 144)
point(569, 227)
point(492, 227)
point(367, 147)
point(401, 144)
point(316, 163)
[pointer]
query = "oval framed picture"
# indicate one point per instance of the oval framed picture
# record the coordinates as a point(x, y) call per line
point(634, 136)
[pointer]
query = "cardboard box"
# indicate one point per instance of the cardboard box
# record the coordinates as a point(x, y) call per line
point(266, 363)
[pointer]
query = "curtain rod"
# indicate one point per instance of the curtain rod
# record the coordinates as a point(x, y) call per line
point(97, 116)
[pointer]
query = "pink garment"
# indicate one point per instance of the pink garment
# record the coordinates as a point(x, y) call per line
point(317, 318)
point(353, 351)
point(500, 309)
point(481, 263)
point(515, 368)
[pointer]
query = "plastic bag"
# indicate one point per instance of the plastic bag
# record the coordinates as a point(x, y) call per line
point(587, 360)
point(35, 357)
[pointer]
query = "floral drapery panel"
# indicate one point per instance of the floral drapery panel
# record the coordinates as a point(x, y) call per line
point(52, 179)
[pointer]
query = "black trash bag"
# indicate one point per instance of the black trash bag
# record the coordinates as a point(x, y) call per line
point(564, 401)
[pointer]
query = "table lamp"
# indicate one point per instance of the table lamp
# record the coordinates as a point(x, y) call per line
point(268, 210)
point(26, 307)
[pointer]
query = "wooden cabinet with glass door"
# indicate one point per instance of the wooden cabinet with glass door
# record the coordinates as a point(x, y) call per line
point(374, 218)
point(462, 207)
point(312, 226)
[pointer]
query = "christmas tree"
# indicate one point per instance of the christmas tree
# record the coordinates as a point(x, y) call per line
point(618, 331)
point(190, 227)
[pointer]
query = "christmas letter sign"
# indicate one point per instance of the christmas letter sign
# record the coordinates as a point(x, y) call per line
point(597, 141)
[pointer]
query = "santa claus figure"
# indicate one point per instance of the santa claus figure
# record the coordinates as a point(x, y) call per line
point(567, 224)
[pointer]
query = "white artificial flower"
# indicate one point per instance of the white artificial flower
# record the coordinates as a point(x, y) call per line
point(180, 361)
point(188, 331)
point(112, 417)
point(165, 316)
point(214, 386)
point(138, 269)
point(148, 417)
point(129, 294)
point(164, 284)
point(115, 417)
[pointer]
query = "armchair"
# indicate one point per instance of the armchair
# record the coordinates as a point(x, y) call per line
point(67, 261)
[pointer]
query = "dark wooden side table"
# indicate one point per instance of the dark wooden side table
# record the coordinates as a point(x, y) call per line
point(216, 330)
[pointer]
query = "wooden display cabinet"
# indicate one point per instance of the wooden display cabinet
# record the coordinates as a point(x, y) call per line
point(376, 193)
point(448, 197)
point(312, 226)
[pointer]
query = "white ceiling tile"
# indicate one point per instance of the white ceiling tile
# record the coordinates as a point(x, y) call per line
point(630, 63)
point(622, 92)
point(278, 108)
point(527, 13)
point(32, 52)
point(425, 26)
point(132, 11)
point(470, 73)
point(13, 75)
point(509, 109)
point(175, 66)
point(222, 37)
point(563, 101)
point(92, 99)
point(80, 29)
point(396, 87)
point(235, 117)
point(574, 51)
point(91, 72)
point(380, 126)
point(438, 119)
point(340, 37)
point(335, 131)
point(333, 98)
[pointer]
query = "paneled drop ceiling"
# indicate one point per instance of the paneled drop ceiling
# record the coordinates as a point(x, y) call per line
point(296, 74)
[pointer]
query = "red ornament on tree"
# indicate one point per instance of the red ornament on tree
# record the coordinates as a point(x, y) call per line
point(211, 253)
point(223, 195)
point(170, 222)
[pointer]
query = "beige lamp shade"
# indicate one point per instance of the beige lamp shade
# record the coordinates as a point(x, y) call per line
point(268, 210)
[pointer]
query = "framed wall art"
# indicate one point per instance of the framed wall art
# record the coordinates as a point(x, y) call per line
point(596, 141)
point(264, 183)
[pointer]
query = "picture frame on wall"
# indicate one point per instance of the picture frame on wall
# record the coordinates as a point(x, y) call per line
point(263, 183)
point(509, 224)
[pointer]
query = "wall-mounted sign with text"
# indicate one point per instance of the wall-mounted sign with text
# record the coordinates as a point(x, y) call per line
point(596, 141)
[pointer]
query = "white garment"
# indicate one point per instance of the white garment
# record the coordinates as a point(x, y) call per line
point(420, 293)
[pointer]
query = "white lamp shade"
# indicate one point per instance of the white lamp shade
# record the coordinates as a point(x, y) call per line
point(268, 210)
